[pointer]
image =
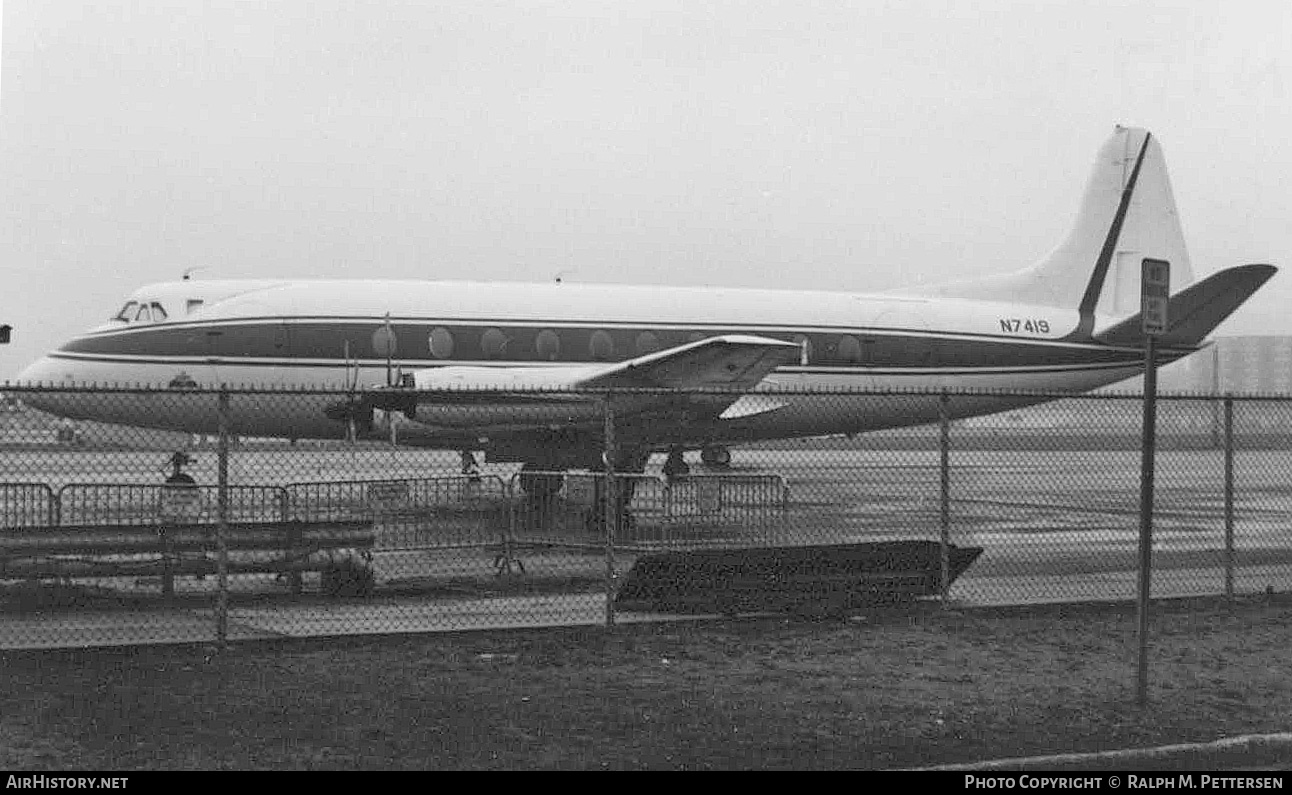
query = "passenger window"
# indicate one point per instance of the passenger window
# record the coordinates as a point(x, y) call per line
point(547, 345)
point(647, 342)
point(441, 342)
point(602, 346)
point(384, 342)
point(493, 343)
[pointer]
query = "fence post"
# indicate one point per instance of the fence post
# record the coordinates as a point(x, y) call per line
point(944, 466)
point(1148, 451)
point(611, 502)
point(1216, 427)
point(222, 525)
point(1229, 497)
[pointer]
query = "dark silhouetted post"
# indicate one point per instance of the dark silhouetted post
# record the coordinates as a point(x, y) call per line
point(1154, 298)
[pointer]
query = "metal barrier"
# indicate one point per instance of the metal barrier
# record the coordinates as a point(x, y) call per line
point(27, 505)
point(443, 512)
point(140, 504)
point(730, 495)
point(688, 511)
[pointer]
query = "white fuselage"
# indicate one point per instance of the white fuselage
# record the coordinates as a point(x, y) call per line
point(338, 334)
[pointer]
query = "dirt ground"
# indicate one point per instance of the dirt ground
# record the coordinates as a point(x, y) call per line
point(896, 687)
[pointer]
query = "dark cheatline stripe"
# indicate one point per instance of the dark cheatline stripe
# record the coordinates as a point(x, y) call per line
point(1086, 324)
point(325, 342)
point(365, 325)
point(859, 370)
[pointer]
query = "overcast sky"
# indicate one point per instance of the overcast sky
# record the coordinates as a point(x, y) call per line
point(842, 145)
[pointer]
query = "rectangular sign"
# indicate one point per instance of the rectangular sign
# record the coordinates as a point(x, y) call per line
point(1155, 295)
point(180, 502)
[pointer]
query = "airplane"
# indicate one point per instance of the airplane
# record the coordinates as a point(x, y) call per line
point(520, 370)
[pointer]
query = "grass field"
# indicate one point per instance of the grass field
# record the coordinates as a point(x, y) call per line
point(894, 688)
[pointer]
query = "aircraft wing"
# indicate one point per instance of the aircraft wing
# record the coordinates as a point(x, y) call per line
point(735, 363)
point(708, 375)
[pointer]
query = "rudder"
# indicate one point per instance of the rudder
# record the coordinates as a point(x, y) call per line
point(1127, 214)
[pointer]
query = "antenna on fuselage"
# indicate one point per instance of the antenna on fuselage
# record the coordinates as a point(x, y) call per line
point(561, 274)
point(188, 272)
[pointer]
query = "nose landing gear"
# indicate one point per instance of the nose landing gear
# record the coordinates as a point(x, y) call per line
point(675, 465)
point(469, 466)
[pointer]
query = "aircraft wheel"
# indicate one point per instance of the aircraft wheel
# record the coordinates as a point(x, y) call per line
point(716, 456)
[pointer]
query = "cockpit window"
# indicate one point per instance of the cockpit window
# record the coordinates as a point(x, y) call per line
point(142, 312)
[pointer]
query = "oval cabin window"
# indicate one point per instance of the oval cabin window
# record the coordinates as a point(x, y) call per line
point(441, 342)
point(384, 343)
point(493, 343)
point(547, 345)
point(602, 346)
point(646, 343)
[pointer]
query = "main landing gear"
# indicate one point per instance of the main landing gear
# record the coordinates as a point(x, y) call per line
point(542, 482)
point(715, 455)
point(594, 519)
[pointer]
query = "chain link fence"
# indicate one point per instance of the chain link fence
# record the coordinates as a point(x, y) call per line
point(283, 517)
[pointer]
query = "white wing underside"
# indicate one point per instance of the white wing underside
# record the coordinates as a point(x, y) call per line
point(717, 373)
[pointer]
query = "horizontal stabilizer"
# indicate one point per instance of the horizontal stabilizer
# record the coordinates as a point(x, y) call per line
point(1193, 312)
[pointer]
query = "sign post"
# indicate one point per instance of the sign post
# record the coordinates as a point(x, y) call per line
point(1155, 296)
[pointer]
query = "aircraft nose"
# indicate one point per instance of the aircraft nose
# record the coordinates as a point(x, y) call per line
point(44, 371)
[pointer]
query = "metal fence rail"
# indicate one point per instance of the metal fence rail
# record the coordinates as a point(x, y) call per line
point(138, 504)
point(677, 512)
point(411, 513)
point(27, 505)
point(731, 495)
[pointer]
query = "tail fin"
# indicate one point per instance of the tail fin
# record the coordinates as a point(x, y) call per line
point(1127, 214)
